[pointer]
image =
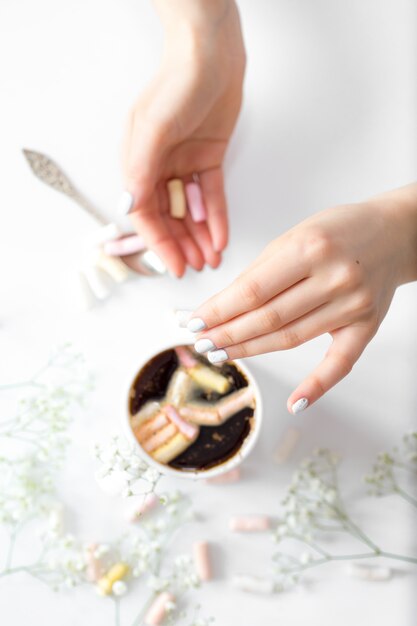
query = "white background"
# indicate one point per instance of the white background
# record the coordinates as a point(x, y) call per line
point(329, 117)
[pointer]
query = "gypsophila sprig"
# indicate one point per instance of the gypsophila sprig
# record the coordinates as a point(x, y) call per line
point(314, 511)
point(395, 472)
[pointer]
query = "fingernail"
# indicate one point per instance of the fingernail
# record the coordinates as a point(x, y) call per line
point(204, 345)
point(217, 356)
point(196, 324)
point(183, 317)
point(299, 406)
point(125, 203)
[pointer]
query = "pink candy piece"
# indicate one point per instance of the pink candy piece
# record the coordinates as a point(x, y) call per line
point(195, 202)
point(95, 569)
point(149, 502)
point(157, 610)
point(188, 430)
point(124, 246)
point(202, 560)
point(253, 523)
point(185, 357)
point(237, 401)
point(223, 479)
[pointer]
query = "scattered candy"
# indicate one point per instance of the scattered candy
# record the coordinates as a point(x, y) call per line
point(158, 609)
point(177, 201)
point(228, 477)
point(116, 572)
point(374, 573)
point(209, 379)
point(250, 523)
point(148, 503)
point(95, 569)
point(202, 560)
point(253, 584)
point(287, 445)
point(195, 202)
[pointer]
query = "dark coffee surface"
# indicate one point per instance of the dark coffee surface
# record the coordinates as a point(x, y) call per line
point(215, 444)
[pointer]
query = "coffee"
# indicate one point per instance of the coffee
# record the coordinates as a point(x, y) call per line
point(188, 414)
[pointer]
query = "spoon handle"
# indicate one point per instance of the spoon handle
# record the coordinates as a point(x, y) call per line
point(51, 174)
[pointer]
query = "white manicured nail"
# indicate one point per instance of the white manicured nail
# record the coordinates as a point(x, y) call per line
point(299, 406)
point(217, 356)
point(204, 345)
point(196, 324)
point(125, 203)
point(183, 317)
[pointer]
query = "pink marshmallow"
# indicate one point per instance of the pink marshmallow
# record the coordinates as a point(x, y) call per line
point(195, 202)
point(124, 246)
point(188, 430)
point(202, 560)
point(185, 357)
point(252, 523)
point(157, 610)
point(237, 401)
point(148, 503)
point(95, 569)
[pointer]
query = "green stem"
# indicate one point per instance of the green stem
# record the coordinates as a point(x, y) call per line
point(117, 611)
point(9, 555)
point(406, 496)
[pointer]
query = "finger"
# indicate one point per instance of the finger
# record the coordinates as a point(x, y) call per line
point(348, 344)
point(147, 147)
point(251, 290)
point(201, 235)
point(150, 224)
point(323, 319)
point(212, 187)
point(290, 305)
point(189, 247)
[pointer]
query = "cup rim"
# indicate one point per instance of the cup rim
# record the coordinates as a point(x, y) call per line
point(245, 449)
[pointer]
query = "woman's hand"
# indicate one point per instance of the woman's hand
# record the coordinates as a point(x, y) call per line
point(181, 126)
point(334, 273)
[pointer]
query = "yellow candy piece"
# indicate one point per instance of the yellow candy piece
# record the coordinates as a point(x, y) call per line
point(174, 447)
point(209, 379)
point(116, 572)
point(177, 201)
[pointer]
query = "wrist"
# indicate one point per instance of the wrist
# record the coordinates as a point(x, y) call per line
point(399, 209)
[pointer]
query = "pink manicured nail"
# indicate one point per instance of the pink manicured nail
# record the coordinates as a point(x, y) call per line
point(124, 246)
point(188, 430)
point(195, 202)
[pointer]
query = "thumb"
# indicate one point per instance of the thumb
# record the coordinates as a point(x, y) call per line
point(348, 344)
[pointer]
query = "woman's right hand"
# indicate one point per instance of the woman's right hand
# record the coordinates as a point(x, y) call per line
point(181, 125)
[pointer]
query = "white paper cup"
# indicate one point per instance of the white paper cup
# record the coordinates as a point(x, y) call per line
point(221, 468)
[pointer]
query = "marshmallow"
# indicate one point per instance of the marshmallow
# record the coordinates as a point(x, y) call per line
point(173, 448)
point(95, 569)
point(116, 572)
point(202, 560)
point(188, 430)
point(160, 438)
point(209, 379)
point(228, 477)
point(179, 387)
point(150, 427)
point(252, 523)
point(148, 503)
point(150, 409)
point(177, 202)
point(253, 584)
point(369, 572)
point(195, 202)
point(287, 445)
point(114, 267)
point(124, 246)
point(234, 403)
point(157, 611)
point(185, 357)
point(200, 414)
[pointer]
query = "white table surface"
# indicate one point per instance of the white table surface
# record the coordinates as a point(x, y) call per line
point(329, 117)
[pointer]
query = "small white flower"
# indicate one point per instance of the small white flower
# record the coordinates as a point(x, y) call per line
point(119, 588)
point(151, 475)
